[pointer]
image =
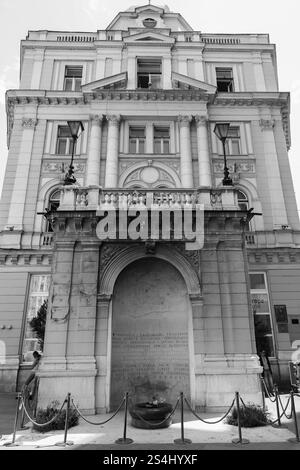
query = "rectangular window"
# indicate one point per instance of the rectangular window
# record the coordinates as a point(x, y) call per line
point(262, 314)
point(137, 139)
point(149, 73)
point(38, 293)
point(64, 145)
point(233, 144)
point(161, 140)
point(73, 78)
point(224, 79)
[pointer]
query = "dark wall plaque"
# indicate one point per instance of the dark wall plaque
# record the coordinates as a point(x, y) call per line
point(281, 313)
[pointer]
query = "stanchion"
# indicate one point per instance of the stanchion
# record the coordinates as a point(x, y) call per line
point(13, 443)
point(125, 439)
point(263, 393)
point(182, 440)
point(277, 405)
point(240, 439)
point(66, 443)
point(296, 439)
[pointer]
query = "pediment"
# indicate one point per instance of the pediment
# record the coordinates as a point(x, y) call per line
point(113, 82)
point(187, 83)
point(148, 37)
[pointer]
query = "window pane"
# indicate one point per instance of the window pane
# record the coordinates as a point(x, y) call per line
point(257, 281)
point(141, 146)
point(77, 84)
point(260, 303)
point(64, 131)
point(68, 84)
point(161, 132)
point(62, 146)
point(73, 72)
point(166, 146)
point(235, 147)
point(157, 146)
point(132, 146)
point(265, 343)
point(137, 132)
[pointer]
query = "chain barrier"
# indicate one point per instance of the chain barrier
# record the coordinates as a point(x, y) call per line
point(41, 424)
point(203, 420)
point(267, 391)
point(285, 408)
point(161, 422)
point(276, 420)
point(102, 422)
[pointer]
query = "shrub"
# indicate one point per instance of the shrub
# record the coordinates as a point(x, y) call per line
point(45, 415)
point(250, 416)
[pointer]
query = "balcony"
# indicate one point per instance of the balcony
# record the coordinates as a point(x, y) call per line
point(74, 198)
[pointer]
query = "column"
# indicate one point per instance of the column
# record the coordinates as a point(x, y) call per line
point(111, 173)
point(273, 179)
point(203, 152)
point(16, 211)
point(93, 163)
point(186, 165)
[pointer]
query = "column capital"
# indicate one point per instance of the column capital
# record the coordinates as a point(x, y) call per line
point(267, 124)
point(29, 123)
point(184, 120)
point(201, 120)
point(96, 118)
point(113, 119)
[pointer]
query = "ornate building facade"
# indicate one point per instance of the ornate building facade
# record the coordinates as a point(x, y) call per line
point(149, 316)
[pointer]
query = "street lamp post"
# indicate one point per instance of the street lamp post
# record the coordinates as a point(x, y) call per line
point(221, 130)
point(74, 127)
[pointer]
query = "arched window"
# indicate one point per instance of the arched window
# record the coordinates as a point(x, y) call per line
point(53, 204)
point(243, 203)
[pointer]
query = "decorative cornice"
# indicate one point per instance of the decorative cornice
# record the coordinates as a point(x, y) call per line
point(274, 256)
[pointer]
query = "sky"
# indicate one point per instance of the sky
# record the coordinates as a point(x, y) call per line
point(279, 19)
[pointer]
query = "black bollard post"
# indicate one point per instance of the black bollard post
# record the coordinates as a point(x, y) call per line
point(182, 440)
point(240, 439)
point(66, 443)
point(13, 443)
point(296, 439)
point(277, 405)
point(125, 439)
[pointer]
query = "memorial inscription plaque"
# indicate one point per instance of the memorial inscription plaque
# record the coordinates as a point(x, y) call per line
point(150, 351)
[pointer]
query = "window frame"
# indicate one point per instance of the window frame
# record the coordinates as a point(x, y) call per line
point(74, 79)
point(264, 291)
point(26, 311)
point(69, 141)
point(231, 139)
point(139, 140)
point(146, 74)
point(161, 140)
point(231, 82)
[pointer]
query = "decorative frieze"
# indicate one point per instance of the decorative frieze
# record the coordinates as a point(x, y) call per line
point(273, 257)
point(235, 166)
point(61, 167)
point(25, 259)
